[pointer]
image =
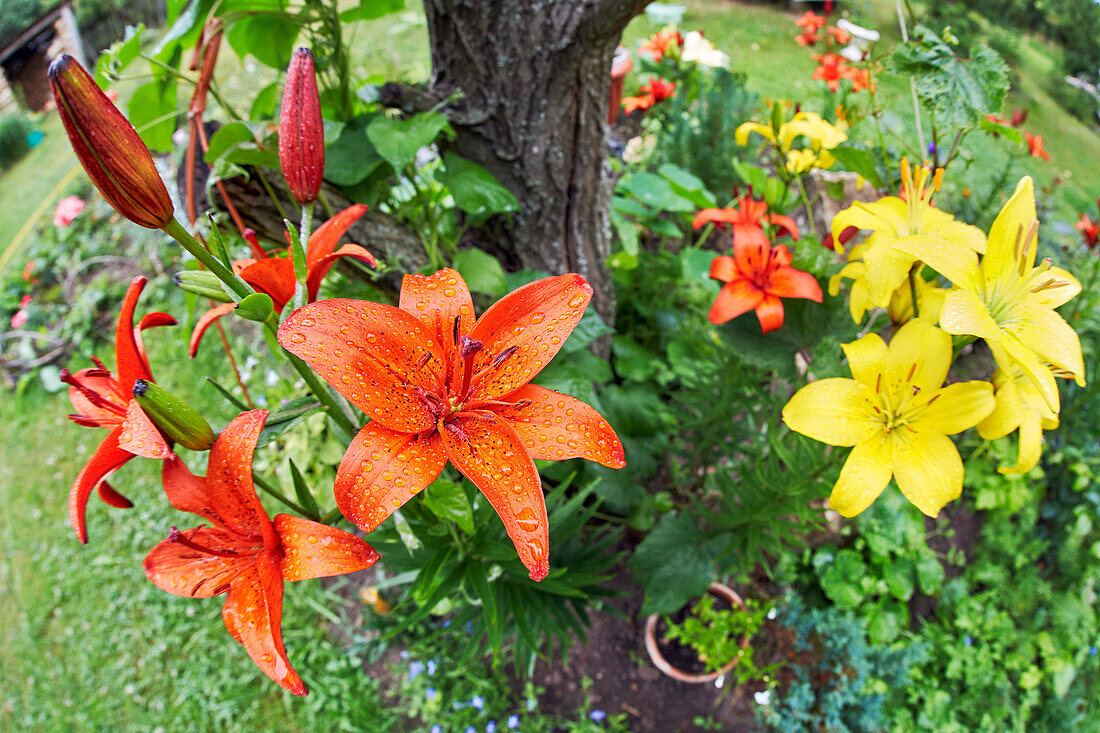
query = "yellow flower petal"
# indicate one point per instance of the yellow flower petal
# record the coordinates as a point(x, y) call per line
point(859, 300)
point(942, 224)
point(1052, 339)
point(1013, 221)
point(927, 468)
point(919, 356)
point(1006, 414)
point(957, 407)
point(866, 359)
point(965, 314)
point(886, 215)
point(887, 269)
point(956, 262)
point(834, 411)
point(1058, 287)
point(863, 477)
point(741, 136)
point(1031, 365)
point(1031, 446)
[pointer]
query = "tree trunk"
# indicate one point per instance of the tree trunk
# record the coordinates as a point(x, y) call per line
point(535, 78)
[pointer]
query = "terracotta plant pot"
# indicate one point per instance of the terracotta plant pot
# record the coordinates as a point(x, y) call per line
point(620, 66)
point(718, 590)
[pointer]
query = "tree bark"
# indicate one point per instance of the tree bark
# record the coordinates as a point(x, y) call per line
point(535, 78)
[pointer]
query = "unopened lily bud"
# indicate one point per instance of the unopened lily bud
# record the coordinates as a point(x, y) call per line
point(175, 418)
point(201, 282)
point(109, 147)
point(301, 132)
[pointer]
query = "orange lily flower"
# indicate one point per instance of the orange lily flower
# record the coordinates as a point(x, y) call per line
point(745, 218)
point(658, 44)
point(245, 553)
point(755, 278)
point(440, 387)
point(653, 91)
point(1089, 229)
point(831, 68)
point(1035, 146)
point(808, 38)
point(842, 36)
point(811, 21)
point(275, 275)
point(103, 400)
point(861, 79)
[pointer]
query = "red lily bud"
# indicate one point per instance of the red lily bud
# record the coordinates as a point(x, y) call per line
point(301, 132)
point(109, 147)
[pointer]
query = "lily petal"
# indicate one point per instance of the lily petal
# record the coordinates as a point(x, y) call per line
point(717, 216)
point(927, 468)
point(140, 436)
point(722, 268)
point(1052, 339)
point(205, 321)
point(787, 282)
point(322, 242)
point(130, 363)
point(1031, 365)
point(318, 551)
point(1031, 446)
point(1012, 223)
point(184, 571)
point(108, 457)
point(769, 312)
point(101, 383)
point(957, 263)
point(229, 484)
point(556, 427)
point(488, 451)
point(918, 358)
point(964, 313)
point(834, 411)
point(736, 297)
point(749, 235)
point(864, 475)
point(317, 271)
point(784, 222)
point(382, 466)
point(741, 134)
point(442, 302)
point(253, 613)
point(274, 276)
point(1059, 287)
point(887, 269)
point(150, 320)
point(1008, 411)
point(379, 357)
point(187, 492)
point(535, 319)
point(957, 407)
point(890, 214)
point(111, 497)
point(866, 359)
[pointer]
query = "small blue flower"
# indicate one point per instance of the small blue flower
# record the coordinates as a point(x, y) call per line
point(931, 148)
point(404, 654)
point(471, 729)
point(459, 705)
point(477, 701)
point(1092, 650)
point(597, 715)
point(491, 727)
point(430, 693)
point(513, 721)
point(469, 627)
point(415, 668)
point(531, 703)
point(432, 666)
point(436, 729)
point(967, 640)
point(446, 623)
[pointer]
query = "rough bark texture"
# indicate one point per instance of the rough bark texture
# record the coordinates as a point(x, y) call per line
point(535, 78)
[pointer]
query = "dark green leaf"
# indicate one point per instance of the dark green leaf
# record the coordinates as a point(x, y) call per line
point(590, 328)
point(474, 189)
point(263, 106)
point(371, 9)
point(268, 36)
point(398, 140)
point(899, 578)
point(448, 501)
point(152, 109)
point(287, 416)
point(673, 563)
point(301, 490)
point(351, 158)
point(930, 575)
point(859, 161)
point(481, 271)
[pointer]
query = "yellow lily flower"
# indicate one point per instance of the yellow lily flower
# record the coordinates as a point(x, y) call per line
point(822, 135)
point(900, 226)
point(1019, 407)
point(897, 415)
point(1008, 300)
point(900, 307)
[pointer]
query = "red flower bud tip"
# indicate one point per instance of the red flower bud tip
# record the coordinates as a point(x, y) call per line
point(301, 132)
point(109, 147)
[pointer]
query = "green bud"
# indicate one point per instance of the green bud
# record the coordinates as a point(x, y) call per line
point(777, 116)
point(175, 418)
point(256, 307)
point(201, 282)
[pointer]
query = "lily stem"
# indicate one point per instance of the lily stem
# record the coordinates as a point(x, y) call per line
point(806, 203)
point(176, 231)
point(298, 253)
point(913, 289)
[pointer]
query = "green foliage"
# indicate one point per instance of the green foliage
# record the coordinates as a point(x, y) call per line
point(14, 129)
point(839, 680)
point(957, 92)
point(716, 635)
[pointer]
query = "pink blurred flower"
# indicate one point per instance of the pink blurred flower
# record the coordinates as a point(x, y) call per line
point(67, 209)
point(19, 318)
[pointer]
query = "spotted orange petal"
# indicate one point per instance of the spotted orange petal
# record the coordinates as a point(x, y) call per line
point(723, 268)
point(438, 300)
point(229, 483)
point(736, 297)
point(535, 319)
point(205, 321)
point(382, 469)
point(186, 491)
point(107, 458)
point(315, 550)
point(787, 282)
point(489, 452)
point(184, 571)
point(323, 241)
point(317, 271)
point(130, 362)
point(253, 613)
point(717, 216)
point(274, 276)
point(555, 427)
point(748, 235)
point(379, 357)
point(140, 436)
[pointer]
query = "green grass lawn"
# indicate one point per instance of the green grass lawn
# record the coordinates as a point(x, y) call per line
point(27, 184)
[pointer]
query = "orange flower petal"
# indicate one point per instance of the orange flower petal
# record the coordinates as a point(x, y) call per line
point(274, 276)
point(131, 363)
point(781, 255)
point(111, 497)
point(107, 458)
point(382, 469)
point(718, 216)
point(770, 314)
point(315, 550)
point(379, 357)
point(184, 571)
point(102, 383)
point(323, 241)
point(438, 300)
point(535, 319)
point(786, 223)
point(554, 427)
point(787, 282)
point(253, 613)
point(204, 322)
point(140, 436)
point(724, 268)
point(736, 297)
point(186, 491)
point(316, 272)
point(751, 238)
point(229, 483)
point(488, 451)
point(751, 252)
